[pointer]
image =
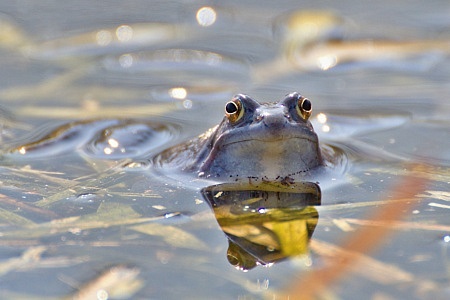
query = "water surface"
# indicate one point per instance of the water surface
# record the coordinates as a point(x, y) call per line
point(90, 91)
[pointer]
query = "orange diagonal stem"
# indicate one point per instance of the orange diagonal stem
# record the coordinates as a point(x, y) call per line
point(360, 242)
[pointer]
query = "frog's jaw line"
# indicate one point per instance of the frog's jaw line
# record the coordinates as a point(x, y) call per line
point(263, 159)
point(266, 139)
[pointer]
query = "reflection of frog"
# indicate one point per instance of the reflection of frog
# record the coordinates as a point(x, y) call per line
point(264, 223)
point(273, 141)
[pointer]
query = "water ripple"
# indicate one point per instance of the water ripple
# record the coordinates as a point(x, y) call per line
point(104, 139)
point(129, 140)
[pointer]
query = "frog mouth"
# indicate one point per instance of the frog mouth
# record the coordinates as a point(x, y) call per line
point(267, 135)
point(275, 139)
point(263, 157)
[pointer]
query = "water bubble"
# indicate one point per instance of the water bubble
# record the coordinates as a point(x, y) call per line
point(126, 60)
point(124, 33)
point(103, 37)
point(187, 104)
point(262, 210)
point(206, 16)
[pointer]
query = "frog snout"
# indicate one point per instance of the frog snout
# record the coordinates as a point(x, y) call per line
point(274, 121)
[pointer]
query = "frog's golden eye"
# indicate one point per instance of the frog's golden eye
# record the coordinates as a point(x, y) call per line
point(304, 107)
point(234, 110)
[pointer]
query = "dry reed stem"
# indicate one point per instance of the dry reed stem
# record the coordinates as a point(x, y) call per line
point(359, 242)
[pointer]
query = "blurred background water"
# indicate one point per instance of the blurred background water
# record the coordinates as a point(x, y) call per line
point(79, 76)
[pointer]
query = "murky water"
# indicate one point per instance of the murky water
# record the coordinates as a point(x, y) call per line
point(90, 92)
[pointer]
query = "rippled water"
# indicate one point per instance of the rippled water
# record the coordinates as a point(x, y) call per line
point(90, 92)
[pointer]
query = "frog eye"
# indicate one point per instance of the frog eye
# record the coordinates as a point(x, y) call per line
point(234, 110)
point(304, 107)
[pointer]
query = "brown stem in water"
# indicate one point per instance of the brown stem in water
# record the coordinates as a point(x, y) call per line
point(363, 241)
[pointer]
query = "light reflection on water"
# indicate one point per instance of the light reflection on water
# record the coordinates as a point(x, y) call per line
point(382, 109)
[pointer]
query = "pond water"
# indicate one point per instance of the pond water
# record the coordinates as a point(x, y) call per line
point(91, 91)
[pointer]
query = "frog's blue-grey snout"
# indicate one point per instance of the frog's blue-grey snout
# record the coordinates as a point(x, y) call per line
point(274, 118)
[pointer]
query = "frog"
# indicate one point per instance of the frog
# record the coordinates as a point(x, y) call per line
point(272, 141)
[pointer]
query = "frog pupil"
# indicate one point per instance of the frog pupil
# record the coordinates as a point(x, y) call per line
point(231, 108)
point(306, 105)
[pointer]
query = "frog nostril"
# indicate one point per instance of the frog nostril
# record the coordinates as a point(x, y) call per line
point(259, 118)
point(288, 117)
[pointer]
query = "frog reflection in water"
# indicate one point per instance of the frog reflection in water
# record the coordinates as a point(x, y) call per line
point(270, 141)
